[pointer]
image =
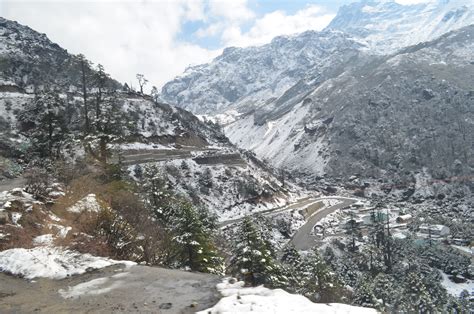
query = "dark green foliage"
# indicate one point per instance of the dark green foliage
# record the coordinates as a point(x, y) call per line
point(191, 229)
point(43, 121)
point(364, 295)
point(252, 259)
point(192, 232)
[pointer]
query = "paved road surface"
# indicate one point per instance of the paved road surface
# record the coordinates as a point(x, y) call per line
point(302, 239)
point(139, 289)
point(134, 157)
point(268, 212)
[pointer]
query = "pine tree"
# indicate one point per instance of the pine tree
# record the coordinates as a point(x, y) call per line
point(383, 289)
point(417, 298)
point(158, 196)
point(109, 121)
point(364, 294)
point(291, 256)
point(43, 122)
point(320, 284)
point(252, 260)
point(194, 237)
point(294, 268)
point(85, 66)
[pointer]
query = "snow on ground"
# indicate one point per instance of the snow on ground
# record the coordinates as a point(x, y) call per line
point(466, 249)
point(225, 195)
point(237, 299)
point(45, 239)
point(88, 203)
point(94, 287)
point(455, 289)
point(7, 198)
point(51, 262)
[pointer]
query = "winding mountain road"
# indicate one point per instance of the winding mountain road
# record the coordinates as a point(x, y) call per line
point(315, 209)
point(303, 239)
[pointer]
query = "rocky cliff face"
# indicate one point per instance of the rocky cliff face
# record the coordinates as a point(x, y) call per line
point(386, 117)
point(243, 78)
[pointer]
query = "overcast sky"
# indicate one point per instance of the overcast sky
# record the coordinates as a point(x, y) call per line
point(160, 38)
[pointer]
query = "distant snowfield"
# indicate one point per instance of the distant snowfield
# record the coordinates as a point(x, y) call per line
point(237, 299)
point(51, 262)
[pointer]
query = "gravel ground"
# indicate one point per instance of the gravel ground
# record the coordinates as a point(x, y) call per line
point(116, 289)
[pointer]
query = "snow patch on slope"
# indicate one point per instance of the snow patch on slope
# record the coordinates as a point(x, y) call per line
point(51, 262)
point(237, 299)
point(89, 203)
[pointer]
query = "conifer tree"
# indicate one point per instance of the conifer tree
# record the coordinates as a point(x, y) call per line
point(43, 122)
point(108, 122)
point(320, 283)
point(383, 289)
point(252, 260)
point(194, 237)
point(157, 193)
point(364, 295)
point(417, 298)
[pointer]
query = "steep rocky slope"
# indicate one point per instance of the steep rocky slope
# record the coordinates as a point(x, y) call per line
point(392, 96)
point(29, 60)
point(242, 77)
point(385, 117)
point(152, 133)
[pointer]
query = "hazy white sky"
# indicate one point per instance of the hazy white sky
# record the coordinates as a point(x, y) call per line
point(160, 38)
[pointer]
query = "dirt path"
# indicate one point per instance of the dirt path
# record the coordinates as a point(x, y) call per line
point(138, 289)
point(9, 184)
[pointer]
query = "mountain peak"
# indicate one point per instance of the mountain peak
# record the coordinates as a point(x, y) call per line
point(388, 26)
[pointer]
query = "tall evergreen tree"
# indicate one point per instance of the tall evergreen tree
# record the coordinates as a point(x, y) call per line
point(417, 298)
point(320, 283)
point(194, 237)
point(43, 122)
point(252, 260)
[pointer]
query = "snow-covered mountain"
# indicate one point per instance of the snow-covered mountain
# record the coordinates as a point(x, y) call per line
point(319, 102)
point(387, 26)
point(242, 78)
point(384, 117)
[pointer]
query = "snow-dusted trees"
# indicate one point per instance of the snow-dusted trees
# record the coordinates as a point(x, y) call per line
point(416, 296)
point(142, 81)
point(193, 234)
point(155, 94)
point(320, 283)
point(156, 192)
point(364, 294)
point(43, 122)
point(85, 67)
point(252, 259)
point(190, 229)
point(108, 121)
